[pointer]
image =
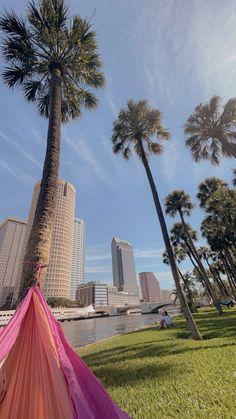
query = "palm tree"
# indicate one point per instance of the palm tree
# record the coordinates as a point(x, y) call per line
point(234, 177)
point(184, 236)
point(140, 126)
point(54, 60)
point(190, 290)
point(180, 202)
point(211, 131)
point(207, 188)
point(219, 228)
point(180, 255)
point(207, 254)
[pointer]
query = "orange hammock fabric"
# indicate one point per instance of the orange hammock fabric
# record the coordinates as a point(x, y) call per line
point(41, 377)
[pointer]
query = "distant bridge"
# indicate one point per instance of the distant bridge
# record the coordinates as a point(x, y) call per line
point(145, 308)
point(117, 309)
point(158, 307)
point(155, 307)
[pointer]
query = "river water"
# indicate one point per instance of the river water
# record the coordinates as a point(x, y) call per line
point(83, 332)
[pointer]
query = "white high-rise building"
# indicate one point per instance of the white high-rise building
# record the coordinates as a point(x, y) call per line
point(124, 275)
point(78, 257)
point(58, 277)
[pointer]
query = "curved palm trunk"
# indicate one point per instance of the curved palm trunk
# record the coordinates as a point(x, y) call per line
point(39, 242)
point(221, 284)
point(201, 267)
point(191, 303)
point(194, 262)
point(230, 262)
point(228, 274)
point(227, 267)
point(186, 311)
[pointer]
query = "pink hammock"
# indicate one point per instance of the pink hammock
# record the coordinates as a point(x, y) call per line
point(41, 377)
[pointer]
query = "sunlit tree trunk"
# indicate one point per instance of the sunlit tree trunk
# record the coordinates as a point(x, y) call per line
point(230, 262)
point(39, 242)
point(186, 311)
point(201, 267)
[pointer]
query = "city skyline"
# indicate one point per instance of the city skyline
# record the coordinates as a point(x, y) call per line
point(193, 59)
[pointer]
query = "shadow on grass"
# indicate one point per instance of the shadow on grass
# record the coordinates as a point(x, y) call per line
point(115, 376)
point(144, 350)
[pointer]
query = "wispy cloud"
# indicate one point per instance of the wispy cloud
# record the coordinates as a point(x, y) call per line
point(170, 161)
point(15, 172)
point(109, 95)
point(82, 149)
point(104, 256)
point(18, 147)
point(97, 269)
point(165, 278)
point(148, 253)
point(111, 103)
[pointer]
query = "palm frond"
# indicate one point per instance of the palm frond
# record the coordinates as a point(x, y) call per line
point(14, 26)
point(155, 148)
point(31, 88)
point(118, 147)
point(18, 51)
point(211, 134)
point(127, 153)
point(43, 105)
point(16, 75)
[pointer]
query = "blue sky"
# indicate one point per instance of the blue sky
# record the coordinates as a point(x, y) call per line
point(176, 54)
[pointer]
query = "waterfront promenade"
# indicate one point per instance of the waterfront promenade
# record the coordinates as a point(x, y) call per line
point(162, 374)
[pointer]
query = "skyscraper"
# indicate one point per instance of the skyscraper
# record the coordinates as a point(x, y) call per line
point(78, 253)
point(58, 278)
point(124, 275)
point(12, 234)
point(150, 287)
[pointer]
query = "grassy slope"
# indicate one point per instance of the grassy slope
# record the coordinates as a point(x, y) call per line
point(164, 374)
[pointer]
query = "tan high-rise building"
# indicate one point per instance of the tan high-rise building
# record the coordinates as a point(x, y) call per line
point(12, 235)
point(58, 278)
point(150, 287)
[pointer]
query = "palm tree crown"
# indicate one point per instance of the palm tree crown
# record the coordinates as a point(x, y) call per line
point(178, 201)
point(211, 132)
point(47, 40)
point(207, 188)
point(138, 121)
point(179, 236)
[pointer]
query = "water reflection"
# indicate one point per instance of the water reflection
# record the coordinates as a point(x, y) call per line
point(83, 332)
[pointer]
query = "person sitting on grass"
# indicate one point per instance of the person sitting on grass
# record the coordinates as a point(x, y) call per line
point(165, 321)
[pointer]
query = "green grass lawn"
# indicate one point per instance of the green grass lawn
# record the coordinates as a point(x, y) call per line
point(165, 374)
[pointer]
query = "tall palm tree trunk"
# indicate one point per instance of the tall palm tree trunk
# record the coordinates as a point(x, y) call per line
point(195, 264)
point(186, 311)
point(230, 262)
point(227, 268)
point(201, 267)
point(228, 274)
point(39, 242)
point(221, 283)
point(190, 301)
